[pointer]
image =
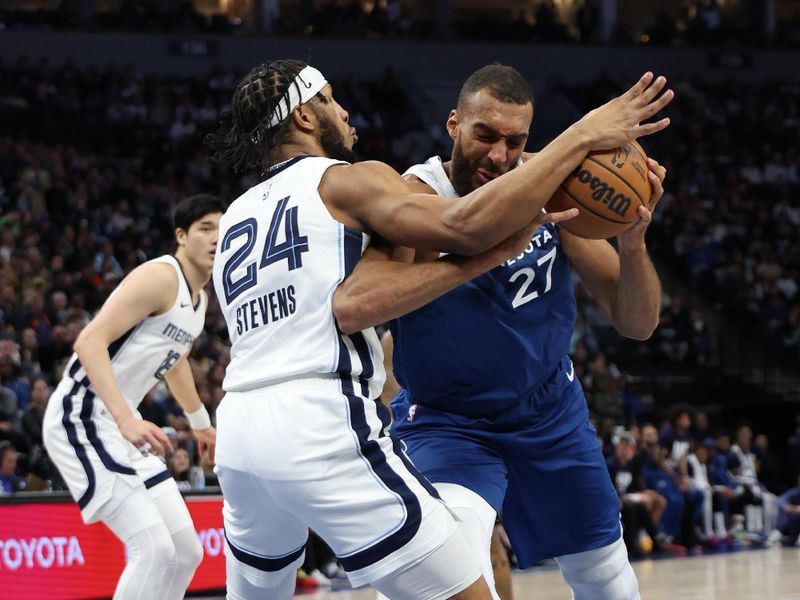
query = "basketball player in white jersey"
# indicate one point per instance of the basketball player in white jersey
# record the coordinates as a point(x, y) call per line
point(110, 457)
point(302, 441)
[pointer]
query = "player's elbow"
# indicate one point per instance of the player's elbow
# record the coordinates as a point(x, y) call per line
point(349, 314)
point(82, 343)
point(640, 331)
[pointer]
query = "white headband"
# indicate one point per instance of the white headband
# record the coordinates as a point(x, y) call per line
point(305, 86)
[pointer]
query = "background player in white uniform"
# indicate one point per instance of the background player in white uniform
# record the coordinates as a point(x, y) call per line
point(302, 440)
point(105, 452)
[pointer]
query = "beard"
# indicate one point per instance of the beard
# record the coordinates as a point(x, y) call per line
point(462, 172)
point(332, 143)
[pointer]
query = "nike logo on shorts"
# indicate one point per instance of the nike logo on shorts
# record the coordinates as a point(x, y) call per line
point(571, 374)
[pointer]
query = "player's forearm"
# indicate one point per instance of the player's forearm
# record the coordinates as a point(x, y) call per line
point(96, 361)
point(181, 383)
point(496, 210)
point(379, 291)
point(638, 298)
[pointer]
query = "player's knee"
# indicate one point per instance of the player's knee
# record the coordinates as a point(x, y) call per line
point(600, 574)
point(163, 551)
point(189, 552)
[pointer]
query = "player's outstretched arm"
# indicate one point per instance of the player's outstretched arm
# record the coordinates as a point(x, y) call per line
point(181, 383)
point(149, 289)
point(373, 194)
point(625, 283)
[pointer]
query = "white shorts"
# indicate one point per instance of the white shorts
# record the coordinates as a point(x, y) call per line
point(84, 442)
point(312, 453)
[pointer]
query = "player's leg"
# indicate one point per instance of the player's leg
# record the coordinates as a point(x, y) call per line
point(134, 519)
point(93, 458)
point(560, 500)
point(381, 517)
point(264, 544)
point(600, 574)
point(475, 518)
point(434, 577)
point(501, 566)
point(188, 550)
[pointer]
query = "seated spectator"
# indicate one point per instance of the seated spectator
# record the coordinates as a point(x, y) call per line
point(760, 516)
point(10, 482)
point(641, 507)
point(33, 417)
point(789, 515)
point(179, 465)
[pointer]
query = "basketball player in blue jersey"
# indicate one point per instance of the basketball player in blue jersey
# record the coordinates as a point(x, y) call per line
point(109, 457)
point(490, 409)
point(303, 441)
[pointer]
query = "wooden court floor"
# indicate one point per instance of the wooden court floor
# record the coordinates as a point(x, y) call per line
point(770, 574)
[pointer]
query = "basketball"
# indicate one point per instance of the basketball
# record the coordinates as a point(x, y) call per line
point(607, 188)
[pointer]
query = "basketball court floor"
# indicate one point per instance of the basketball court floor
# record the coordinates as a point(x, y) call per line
point(770, 574)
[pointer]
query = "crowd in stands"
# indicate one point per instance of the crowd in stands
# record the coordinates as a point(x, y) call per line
point(93, 161)
point(684, 485)
point(728, 222)
point(692, 22)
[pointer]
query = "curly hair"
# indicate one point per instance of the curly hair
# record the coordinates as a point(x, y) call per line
point(245, 139)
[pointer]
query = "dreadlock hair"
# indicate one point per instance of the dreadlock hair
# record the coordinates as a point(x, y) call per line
point(504, 83)
point(245, 140)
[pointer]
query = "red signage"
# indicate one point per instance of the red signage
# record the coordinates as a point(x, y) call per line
point(46, 551)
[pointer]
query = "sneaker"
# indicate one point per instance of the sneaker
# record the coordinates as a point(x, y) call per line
point(333, 570)
point(773, 538)
point(304, 581)
point(320, 577)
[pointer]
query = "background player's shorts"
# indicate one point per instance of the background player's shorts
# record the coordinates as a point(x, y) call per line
point(84, 442)
point(311, 452)
point(539, 462)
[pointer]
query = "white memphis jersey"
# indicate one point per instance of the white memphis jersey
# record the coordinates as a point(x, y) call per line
point(142, 355)
point(432, 173)
point(280, 257)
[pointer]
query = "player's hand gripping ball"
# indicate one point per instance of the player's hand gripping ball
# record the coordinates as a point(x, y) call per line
point(607, 188)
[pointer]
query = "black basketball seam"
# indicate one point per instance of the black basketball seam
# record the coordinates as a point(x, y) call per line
point(594, 212)
point(618, 176)
point(639, 152)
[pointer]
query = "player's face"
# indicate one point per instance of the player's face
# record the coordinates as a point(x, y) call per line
point(337, 136)
point(201, 240)
point(489, 137)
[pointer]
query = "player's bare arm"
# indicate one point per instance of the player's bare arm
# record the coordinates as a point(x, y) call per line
point(624, 284)
point(149, 289)
point(380, 288)
point(390, 387)
point(181, 383)
point(373, 196)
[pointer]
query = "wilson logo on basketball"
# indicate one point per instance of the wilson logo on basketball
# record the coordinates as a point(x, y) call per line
point(602, 192)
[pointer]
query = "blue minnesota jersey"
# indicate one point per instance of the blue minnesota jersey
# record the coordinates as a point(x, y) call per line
point(484, 345)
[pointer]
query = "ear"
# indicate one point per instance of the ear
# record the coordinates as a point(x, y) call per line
point(180, 236)
point(304, 118)
point(452, 123)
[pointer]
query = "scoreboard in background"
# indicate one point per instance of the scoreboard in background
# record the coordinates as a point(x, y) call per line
point(47, 553)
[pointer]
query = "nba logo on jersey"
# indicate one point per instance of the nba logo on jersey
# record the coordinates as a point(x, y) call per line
point(412, 412)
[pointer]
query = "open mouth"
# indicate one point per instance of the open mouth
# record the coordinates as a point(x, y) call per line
point(486, 176)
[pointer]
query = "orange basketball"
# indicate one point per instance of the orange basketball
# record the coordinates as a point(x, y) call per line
point(607, 188)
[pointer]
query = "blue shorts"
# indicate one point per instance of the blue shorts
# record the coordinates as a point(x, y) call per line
point(540, 462)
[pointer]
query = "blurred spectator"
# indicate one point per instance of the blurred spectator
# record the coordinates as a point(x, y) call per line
point(179, 465)
point(789, 515)
point(769, 467)
point(34, 415)
point(10, 482)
